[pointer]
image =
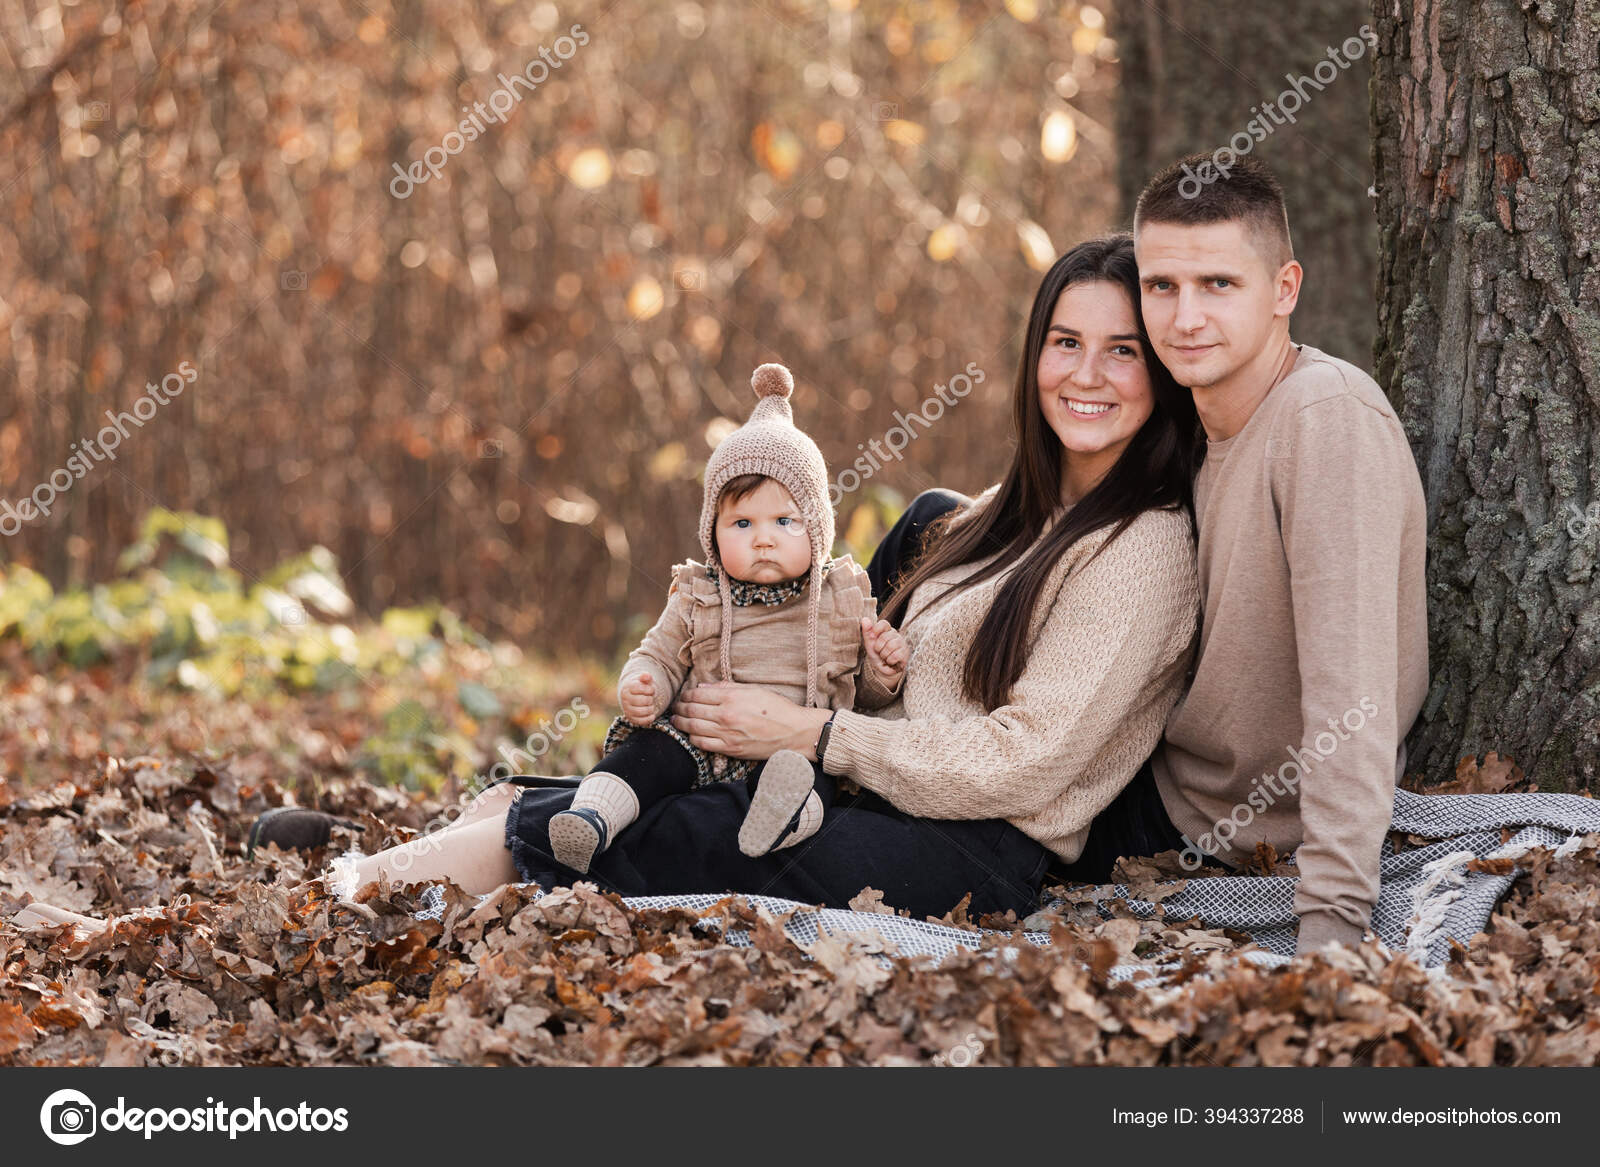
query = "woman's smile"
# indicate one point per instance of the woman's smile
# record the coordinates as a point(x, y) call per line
point(1090, 410)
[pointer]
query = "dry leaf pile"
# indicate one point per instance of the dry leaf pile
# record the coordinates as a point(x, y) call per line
point(246, 973)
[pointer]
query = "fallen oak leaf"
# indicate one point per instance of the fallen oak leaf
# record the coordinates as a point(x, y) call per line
point(408, 954)
point(956, 917)
point(17, 1032)
point(1495, 774)
point(870, 899)
point(645, 970)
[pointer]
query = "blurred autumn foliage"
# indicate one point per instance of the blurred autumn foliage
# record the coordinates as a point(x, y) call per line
point(498, 391)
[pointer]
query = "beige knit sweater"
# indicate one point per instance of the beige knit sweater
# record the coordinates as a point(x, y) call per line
point(1112, 642)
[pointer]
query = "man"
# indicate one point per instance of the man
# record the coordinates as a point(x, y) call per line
point(1313, 650)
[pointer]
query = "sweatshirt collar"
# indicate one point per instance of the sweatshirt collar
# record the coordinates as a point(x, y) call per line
point(1217, 451)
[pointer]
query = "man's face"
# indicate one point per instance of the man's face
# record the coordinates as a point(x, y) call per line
point(762, 537)
point(1211, 299)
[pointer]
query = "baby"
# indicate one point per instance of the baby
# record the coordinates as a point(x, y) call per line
point(767, 607)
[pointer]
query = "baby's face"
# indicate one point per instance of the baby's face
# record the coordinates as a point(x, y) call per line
point(762, 537)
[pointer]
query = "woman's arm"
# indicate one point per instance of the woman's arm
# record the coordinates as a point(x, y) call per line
point(747, 721)
point(1118, 626)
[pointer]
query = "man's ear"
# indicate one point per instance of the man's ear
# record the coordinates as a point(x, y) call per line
point(1289, 278)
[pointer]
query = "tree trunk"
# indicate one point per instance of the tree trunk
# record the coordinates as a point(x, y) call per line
point(1193, 76)
point(1486, 116)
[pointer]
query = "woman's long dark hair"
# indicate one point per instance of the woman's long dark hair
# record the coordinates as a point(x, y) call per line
point(1156, 470)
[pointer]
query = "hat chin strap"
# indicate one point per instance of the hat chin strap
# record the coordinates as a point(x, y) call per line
point(725, 636)
point(812, 619)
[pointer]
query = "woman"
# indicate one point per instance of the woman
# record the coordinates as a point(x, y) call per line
point(1051, 623)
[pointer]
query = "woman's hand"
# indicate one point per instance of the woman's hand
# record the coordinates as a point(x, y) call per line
point(747, 721)
point(639, 700)
point(887, 652)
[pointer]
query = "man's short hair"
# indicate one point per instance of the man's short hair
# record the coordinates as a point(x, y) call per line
point(1194, 190)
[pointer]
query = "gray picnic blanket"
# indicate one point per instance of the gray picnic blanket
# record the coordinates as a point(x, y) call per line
point(1426, 895)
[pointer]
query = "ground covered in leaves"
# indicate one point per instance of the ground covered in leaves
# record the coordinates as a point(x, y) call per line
point(247, 973)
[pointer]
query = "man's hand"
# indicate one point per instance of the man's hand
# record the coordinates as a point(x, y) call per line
point(1320, 929)
point(887, 652)
point(639, 700)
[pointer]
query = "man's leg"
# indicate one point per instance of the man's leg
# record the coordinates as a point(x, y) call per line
point(905, 540)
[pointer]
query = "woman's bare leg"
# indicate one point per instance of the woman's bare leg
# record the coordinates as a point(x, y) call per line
point(494, 802)
point(472, 855)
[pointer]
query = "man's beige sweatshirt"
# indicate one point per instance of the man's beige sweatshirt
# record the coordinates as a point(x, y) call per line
point(1314, 641)
point(1111, 644)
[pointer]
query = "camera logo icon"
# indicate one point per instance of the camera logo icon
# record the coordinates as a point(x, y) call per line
point(68, 1117)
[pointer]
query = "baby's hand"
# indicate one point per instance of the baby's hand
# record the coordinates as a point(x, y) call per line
point(639, 700)
point(886, 650)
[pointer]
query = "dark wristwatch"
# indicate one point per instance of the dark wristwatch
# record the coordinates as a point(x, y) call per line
point(822, 738)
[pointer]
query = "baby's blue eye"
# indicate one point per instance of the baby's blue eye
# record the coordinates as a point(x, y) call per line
point(741, 523)
point(784, 521)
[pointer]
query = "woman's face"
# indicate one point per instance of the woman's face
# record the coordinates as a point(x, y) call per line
point(1094, 386)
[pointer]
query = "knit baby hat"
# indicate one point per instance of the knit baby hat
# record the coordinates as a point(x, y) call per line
point(770, 444)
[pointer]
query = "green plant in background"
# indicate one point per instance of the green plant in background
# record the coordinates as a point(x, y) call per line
point(192, 625)
point(863, 519)
point(416, 750)
point(198, 627)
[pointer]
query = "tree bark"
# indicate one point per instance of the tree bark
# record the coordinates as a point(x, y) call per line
point(1486, 120)
point(1193, 76)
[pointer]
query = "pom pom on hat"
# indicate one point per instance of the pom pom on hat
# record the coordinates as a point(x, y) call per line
point(772, 381)
point(770, 444)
